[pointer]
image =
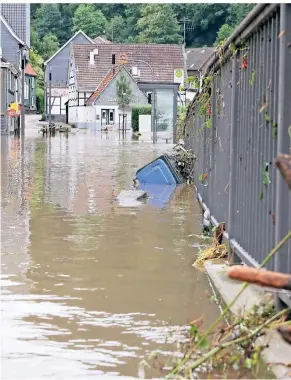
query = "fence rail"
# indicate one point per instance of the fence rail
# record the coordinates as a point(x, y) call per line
point(237, 125)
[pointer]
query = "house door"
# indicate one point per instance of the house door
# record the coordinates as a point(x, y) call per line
point(107, 116)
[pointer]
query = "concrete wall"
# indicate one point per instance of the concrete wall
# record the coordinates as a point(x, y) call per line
point(86, 117)
point(82, 117)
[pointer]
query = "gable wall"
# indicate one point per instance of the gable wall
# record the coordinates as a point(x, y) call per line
point(60, 63)
point(108, 96)
point(9, 46)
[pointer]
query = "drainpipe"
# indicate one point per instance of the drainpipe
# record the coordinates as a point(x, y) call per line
point(23, 62)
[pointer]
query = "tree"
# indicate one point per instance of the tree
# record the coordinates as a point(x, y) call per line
point(35, 40)
point(111, 9)
point(48, 20)
point(223, 34)
point(36, 62)
point(123, 94)
point(132, 15)
point(206, 19)
point(49, 46)
point(67, 12)
point(236, 13)
point(115, 29)
point(159, 24)
point(89, 19)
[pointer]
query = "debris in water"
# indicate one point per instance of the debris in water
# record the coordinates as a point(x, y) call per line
point(211, 253)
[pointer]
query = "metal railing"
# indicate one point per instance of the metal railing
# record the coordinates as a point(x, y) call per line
point(237, 126)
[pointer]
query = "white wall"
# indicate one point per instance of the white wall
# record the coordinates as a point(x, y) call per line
point(82, 115)
point(117, 111)
point(145, 123)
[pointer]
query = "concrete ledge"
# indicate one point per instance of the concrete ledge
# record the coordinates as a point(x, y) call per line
point(278, 351)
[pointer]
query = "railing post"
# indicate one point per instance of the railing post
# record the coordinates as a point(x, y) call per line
point(212, 165)
point(232, 258)
point(283, 199)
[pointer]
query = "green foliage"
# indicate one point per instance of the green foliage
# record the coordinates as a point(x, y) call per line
point(181, 121)
point(236, 13)
point(89, 19)
point(36, 61)
point(154, 23)
point(194, 81)
point(115, 29)
point(123, 92)
point(135, 112)
point(223, 34)
point(206, 21)
point(158, 24)
point(252, 80)
point(49, 46)
point(48, 20)
point(34, 39)
point(40, 99)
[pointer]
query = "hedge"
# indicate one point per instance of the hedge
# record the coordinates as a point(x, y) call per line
point(135, 112)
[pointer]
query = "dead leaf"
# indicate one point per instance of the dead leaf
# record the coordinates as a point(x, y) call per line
point(264, 106)
point(282, 33)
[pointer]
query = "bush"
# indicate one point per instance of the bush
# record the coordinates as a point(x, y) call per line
point(182, 112)
point(40, 99)
point(136, 111)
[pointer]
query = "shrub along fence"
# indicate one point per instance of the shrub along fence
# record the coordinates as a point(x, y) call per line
point(237, 125)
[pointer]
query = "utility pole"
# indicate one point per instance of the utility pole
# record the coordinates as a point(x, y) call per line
point(184, 22)
point(50, 95)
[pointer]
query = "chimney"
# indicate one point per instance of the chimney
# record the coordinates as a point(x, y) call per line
point(92, 56)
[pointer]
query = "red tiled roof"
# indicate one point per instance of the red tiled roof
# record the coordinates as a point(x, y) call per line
point(29, 70)
point(104, 83)
point(156, 63)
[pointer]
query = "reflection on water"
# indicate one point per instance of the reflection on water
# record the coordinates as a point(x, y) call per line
point(91, 287)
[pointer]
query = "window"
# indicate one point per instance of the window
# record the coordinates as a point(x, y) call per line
point(26, 91)
point(32, 82)
point(9, 80)
point(32, 101)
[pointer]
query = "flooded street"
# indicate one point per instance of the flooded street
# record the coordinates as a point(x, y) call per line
point(90, 287)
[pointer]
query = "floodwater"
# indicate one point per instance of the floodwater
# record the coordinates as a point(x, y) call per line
point(90, 287)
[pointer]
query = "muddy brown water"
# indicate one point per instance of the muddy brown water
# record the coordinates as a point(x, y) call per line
point(89, 287)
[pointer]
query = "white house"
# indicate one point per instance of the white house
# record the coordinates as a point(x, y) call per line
point(57, 67)
point(150, 68)
point(101, 108)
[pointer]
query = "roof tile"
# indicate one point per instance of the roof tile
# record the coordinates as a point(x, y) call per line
point(197, 56)
point(156, 63)
point(29, 70)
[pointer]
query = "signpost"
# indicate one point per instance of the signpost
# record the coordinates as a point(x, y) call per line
point(14, 109)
